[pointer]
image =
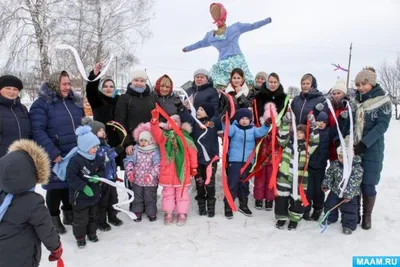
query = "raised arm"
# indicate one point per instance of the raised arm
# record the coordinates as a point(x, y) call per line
point(200, 44)
point(246, 27)
point(92, 91)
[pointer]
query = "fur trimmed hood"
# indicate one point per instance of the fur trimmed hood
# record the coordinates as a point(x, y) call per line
point(243, 91)
point(51, 96)
point(25, 165)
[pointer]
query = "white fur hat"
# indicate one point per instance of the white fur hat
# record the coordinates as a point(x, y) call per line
point(340, 85)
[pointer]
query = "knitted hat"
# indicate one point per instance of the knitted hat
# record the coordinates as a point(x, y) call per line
point(86, 139)
point(95, 125)
point(201, 72)
point(339, 150)
point(301, 128)
point(243, 112)
point(146, 135)
point(208, 108)
point(262, 74)
point(340, 85)
point(322, 116)
point(10, 80)
point(143, 132)
point(367, 75)
point(139, 74)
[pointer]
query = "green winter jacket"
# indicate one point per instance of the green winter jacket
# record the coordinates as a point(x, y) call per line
point(286, 142)
point(334, 175)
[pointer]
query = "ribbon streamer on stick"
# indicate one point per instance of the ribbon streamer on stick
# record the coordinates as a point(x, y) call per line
point(324, 221)
point(117, 206)
point(79, 63)
point(118, 126)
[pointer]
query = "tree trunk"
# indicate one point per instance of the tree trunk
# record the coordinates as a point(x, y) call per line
point(396, 112)
point(99, 51)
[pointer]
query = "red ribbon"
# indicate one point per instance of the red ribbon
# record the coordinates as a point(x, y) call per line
point(60, 263)
point(209, 169)
point(301, 188)
point(178, 131)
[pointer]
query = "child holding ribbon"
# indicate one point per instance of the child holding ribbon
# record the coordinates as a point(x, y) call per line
point(178, 164)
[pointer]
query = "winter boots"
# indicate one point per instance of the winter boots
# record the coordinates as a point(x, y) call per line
point(347, 231)
point(60, 228)
point(168, 218)
point(211, 207)
point(68, 217)
point(202, 207)
point(228, 211)
point(138, 217)
point(316, 214)
point(269, 205)
point(243, 206)
point(181, 220)
point(280, 224)
point(292, 226)
point(368, 205)
point(258, 204)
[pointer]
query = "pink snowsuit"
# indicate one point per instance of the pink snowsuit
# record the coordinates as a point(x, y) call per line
point(172, 187)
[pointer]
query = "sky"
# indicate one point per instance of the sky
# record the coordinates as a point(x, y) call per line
point(304, 36)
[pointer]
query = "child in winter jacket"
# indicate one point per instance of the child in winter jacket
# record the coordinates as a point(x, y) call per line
point(206, 157)
point(84, 192)
point(178, 164)
point(109, 195)
point(333, 178)
point(243, 135)
point(289, 202)
point(25, 222)
point(142, 170)
point(316, 170)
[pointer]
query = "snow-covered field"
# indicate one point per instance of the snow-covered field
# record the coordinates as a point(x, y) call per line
point(245, 241)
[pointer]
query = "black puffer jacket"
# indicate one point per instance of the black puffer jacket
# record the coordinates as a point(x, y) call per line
point(27, 222)
point(205, 93)
point(15, 124)
point(77, 168)
point(265, 96)
point(132, 109)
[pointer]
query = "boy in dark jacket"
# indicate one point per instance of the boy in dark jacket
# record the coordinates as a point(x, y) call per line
point(85, 192)
point(348, 209)
point(25, 222)
point(205, 192)
point(316, 170)
point(109, 195)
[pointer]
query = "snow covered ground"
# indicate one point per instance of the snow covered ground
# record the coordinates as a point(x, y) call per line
point(246, 241)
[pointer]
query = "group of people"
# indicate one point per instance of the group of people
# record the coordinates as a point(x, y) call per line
point(160, 139)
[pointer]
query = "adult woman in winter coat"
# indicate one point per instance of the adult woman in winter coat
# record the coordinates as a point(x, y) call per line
point(275, 94)
point(203, 90)
point(374, 111)
point(25, 222)
point(260, 79)
point(339, 102)
point(103, 99)
point(308, 100)
point(164, 95)
point(55, 115)
point(134, 107)
point(14, 117)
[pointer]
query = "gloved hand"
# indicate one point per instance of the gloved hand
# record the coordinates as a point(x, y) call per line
point(319, 106)
point(88, 191)
point(193, 172)
point(344, 114)
point(95, 181)
point(268, 122)
point(287, 118)
point(269, 20)
point(359, 148)
point(56, 254)
point(155, 115)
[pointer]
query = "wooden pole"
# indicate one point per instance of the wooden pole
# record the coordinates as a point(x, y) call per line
point(348, 67)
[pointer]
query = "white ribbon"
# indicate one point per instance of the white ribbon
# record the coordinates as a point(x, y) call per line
point(116, 206)
point(193, 114)
point(295, 183)
point(79, 63)
point(348, 152)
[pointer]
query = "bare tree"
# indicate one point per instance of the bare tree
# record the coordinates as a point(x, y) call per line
point(389, 79)
point(293, 91)
point(27, 26)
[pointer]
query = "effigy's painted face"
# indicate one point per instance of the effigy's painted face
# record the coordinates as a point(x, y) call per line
point(215, 11)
